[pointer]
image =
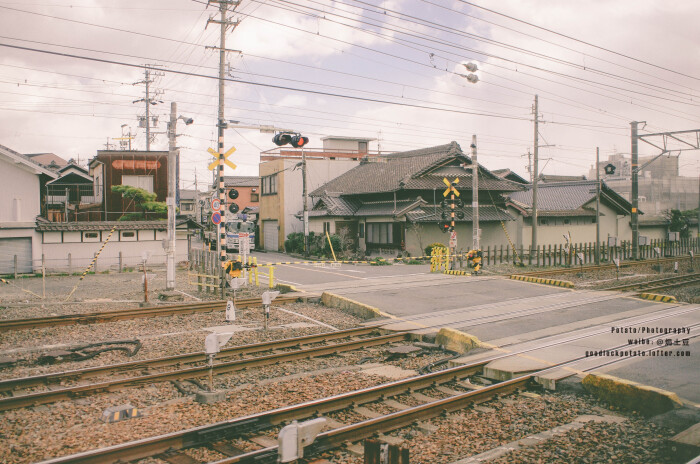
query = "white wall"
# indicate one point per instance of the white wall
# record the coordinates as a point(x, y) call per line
point(19, 202)
point(56, 254)
point(318, 173)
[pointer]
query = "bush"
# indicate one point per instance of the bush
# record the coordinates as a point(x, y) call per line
point(294, 243)
point(335, 240)
point(429, 248)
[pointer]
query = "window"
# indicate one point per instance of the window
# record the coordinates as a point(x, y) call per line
point(362, 230)
point(362, 147)
point(90, 234)
point(269, 185)
point(128, 234)
point(380, 233)
point(186, 206)
point(142, 182)
point(254, 197)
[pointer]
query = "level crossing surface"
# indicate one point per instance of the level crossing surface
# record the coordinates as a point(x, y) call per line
point(508, 316)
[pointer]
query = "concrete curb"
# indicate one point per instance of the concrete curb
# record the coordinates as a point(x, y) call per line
point(461, 273)
point(657, 297)
point(540, 280)
point(455, 340)
point(353, 307)
point(626, 394)
point(286, 288)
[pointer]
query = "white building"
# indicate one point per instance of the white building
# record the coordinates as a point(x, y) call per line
point(22, 182)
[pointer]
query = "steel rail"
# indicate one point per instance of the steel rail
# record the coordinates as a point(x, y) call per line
point(200, 436)
point(365, 429)
point(601, 267)
point(187, 358)
point(70, 393)
point(133, 313)
point(659, 283)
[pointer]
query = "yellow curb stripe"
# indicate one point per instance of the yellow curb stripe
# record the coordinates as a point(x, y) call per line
point(540, 280)
point(657, 297)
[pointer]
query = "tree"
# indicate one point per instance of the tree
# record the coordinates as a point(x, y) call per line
point(145, 201)
point(679, 221)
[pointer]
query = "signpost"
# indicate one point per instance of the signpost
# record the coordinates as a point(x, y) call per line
point(216, 218)
point(215, 204)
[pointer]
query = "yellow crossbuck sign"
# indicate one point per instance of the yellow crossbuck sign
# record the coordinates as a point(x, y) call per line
point(450, 187)
point(215, 154)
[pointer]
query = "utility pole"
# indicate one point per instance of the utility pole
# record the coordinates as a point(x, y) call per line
point(221, 125)
point(535, 175)
point(170, 246)
point(597, 206)
point(475, 197)
point(148, 73)
point(635, 190)
point(306, 206)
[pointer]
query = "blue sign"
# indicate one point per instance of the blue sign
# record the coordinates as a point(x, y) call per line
point(216, 218)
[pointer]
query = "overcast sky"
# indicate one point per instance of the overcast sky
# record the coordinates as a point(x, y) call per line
point(595, 66)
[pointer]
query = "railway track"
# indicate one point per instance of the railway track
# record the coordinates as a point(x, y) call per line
point(70, 393)
point(9, 386)
point(659, 284)
point(601, 267)
point(172, 446)
point(134, 313)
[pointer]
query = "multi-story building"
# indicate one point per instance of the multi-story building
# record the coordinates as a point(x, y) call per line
point(143, 169)
point(281, 182)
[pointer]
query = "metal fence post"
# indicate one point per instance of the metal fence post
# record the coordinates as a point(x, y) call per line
point(121, 262)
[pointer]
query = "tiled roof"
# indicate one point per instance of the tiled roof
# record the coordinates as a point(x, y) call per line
point(415, 169)
point(241, 181)
point(28, 161)
point(487, 213)
point(45, 226)
point(571, 197)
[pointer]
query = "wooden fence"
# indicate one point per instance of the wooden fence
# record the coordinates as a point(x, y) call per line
point(557, 255)
point(204, 265)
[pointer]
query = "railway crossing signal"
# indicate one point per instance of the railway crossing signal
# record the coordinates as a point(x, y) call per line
point(215, 154)
point(452, 203)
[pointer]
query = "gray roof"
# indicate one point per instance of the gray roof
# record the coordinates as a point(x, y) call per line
point(42, 225)
point(567, 198)
point(38, 167)
point(430, 213)
point(241, 181)
point(421, 169)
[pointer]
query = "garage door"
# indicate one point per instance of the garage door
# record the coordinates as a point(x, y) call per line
point(22, 248)
point(271, 235)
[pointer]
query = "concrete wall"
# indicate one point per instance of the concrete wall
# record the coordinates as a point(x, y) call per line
point(56, 254)
point(582, 229)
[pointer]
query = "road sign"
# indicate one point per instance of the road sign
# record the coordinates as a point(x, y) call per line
point(453, 239)
point(215, 204)
point(216, 218)
point(215, 154)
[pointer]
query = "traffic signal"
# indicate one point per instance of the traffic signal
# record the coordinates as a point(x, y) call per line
point(282, 139)
point(444, 226)
point(233, 194)
point(298, 141)
point(295, 140)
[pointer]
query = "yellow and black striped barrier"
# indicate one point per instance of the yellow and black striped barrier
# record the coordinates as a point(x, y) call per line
point(657, 297)
point(408, 258)
point(461, 273)
point(4, 281)
point(541, 280)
